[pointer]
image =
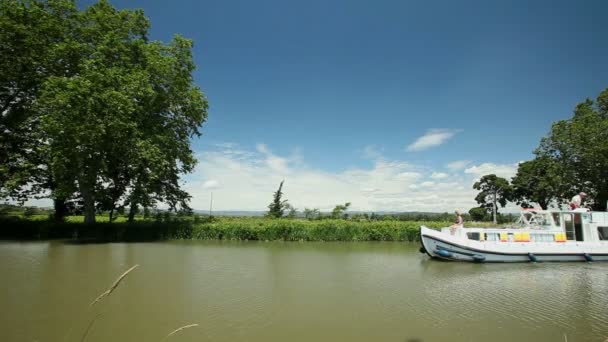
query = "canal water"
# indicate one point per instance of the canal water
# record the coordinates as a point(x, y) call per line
point(286, 291)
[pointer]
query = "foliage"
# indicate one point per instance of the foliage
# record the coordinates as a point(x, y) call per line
point(578, 147)
point(32, 49)
point(278, 206)
point(225, 228)
point(536, 181)
point(292, 212)
point(493, 190)
point(339, 210)
point(478, 213)
point(311, 214)
point(113, 116)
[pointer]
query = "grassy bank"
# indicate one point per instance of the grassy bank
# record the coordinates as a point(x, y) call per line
point(224, 228)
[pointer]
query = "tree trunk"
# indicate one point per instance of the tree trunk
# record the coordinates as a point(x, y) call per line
point(132, 211)
point(494, 209)
point(89, 203)
point(60, 209)
point(112, 214)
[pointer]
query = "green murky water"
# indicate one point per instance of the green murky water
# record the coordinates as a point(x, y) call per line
point(256, 291)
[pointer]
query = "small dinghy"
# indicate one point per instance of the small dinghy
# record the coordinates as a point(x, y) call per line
point(538, 236)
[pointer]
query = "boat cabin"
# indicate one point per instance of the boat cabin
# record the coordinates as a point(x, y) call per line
point(548, 226)
point(584, 225)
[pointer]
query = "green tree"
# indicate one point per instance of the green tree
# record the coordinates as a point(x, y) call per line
point(125, 119)
point(493, 190)
point(311, 214)
point(579, 148)
point(292, 212)
point(277, 207)
point(339, 211)
point(536, 181)
point(478, 213)
point(34, 40)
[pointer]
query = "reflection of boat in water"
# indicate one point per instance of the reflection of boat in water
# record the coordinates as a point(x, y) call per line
point(539, 235)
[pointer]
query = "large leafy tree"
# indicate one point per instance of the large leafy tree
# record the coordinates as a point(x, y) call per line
point(33, 36)
point(115, 127)
point(493, 190)
point(579, 149)
point(536, 181)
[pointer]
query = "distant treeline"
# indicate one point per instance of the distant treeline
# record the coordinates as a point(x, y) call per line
point(7, 210)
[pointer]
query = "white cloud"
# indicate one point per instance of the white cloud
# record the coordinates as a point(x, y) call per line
point(502, 170)
point(211, 184)
point(439, 175)
point(245, 179)
point(431, 138)
point(371, 152)
point(458, 165)
point(249, 177)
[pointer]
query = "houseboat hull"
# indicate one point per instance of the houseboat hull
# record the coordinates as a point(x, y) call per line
point(444, 246)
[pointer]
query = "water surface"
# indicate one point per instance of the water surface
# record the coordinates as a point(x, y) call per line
point(274, 291)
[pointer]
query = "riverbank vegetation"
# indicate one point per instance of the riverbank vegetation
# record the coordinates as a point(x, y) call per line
point(34, 223)
point(222, 228)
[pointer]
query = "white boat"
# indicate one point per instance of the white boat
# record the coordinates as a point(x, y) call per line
point(539, 235)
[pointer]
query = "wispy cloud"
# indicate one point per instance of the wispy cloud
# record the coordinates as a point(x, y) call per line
point(211, 184)
point(458, 165)
point(371, 152)
point(502, 170)
point(439, 175)
point(244, 179)
point(431, 138)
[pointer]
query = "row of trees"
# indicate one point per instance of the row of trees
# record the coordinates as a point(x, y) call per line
point(280, 207)
point(93, 111)
point(572, 158)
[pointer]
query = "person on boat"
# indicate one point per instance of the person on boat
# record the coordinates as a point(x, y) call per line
point(458, 223)
point(577, 200)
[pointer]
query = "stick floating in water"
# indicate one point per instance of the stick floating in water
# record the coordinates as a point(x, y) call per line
point(114, 286)
point(180, 329)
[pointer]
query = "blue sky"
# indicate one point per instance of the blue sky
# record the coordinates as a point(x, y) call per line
point(352, 98)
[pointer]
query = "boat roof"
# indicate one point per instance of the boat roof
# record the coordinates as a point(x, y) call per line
point(551, 211)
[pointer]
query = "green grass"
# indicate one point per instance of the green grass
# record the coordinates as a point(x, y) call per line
point(223, 228)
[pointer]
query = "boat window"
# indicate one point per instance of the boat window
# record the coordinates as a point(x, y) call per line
point(492, 237)
point(473, 236)
point(570, 226)
point(542, 237)
point(602, 232)
point(556, 218)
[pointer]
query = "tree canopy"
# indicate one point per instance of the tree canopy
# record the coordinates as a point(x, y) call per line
point(493, 190)
point(578, 151)
point(536, 181)
point(112, 115)
point(277, 207)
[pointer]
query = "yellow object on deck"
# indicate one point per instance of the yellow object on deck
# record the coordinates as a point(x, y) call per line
point(504, 237)
point(522, 237)
point(560, 237)
point(482, 236)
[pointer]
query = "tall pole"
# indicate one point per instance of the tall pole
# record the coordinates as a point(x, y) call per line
point(211, 204)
